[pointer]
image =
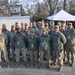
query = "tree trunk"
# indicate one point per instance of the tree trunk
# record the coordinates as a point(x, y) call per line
point(64, 5)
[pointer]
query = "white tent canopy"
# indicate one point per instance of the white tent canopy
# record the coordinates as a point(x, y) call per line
point(62, 16)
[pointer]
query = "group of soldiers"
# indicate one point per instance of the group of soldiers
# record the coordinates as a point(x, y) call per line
point(43, 41)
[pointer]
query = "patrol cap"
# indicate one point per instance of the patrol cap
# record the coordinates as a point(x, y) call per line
point(44, 29)
point(16, 22)
point(51, 22)
point(4, 25)
point(46, 24)
point(18, 27)
point(42, 21)
point(0, 26)
point(21, 23)
point(39, 22)
point(12, 26)
point(52, 27)
point(26, 24)
point(56, 26)
point(32, 30)
point(58, 23)
point(62, 25)
point(69, 23)
point(34, 22)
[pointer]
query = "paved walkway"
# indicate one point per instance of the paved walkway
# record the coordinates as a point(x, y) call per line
point(22, 70)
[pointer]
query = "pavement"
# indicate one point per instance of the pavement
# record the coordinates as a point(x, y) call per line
point(22, 70)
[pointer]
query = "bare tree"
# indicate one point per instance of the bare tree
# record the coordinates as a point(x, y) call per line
point(41, 11)
point(64, 5)
point(47, 7)
point(3, 5)
point(69, 6)
point(52, 5)
point(29, 6)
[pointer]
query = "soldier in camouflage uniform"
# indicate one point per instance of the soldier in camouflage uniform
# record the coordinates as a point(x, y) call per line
point(3, 43)
point(39, 24)
point(59, 24)
point(63, 30)
point(35, 28)
point(30, 26)
point(44, 48)
point(41, 28)
point(12, 33)
point(33, 47)
point(51, 24)
point(7, 33)
point(51, 50)
point(64, 25)
point(58, 40)
point(16, 25)
point(47, 28)
point(70, 44)
point(19, 42)
point(22, 28)
point(27, 30)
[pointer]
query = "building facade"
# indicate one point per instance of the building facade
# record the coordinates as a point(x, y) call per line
point(10, 9)
point(15, 10)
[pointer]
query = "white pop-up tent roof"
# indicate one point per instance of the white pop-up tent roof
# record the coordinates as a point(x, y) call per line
point(62, 16)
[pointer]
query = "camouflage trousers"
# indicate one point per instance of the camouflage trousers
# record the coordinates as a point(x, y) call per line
point(58, 57)
point(17, 54)
point(64, 52)
point(51, 53)
point(12, 49)
point(3, 51)
point(33, 56)
point(70, 53)
point(47, 54)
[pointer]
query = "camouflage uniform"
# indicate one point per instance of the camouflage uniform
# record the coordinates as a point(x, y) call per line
point(63, 31)
point(19, 42)
point(51, 50)
point(70, 44)
point(51, 24)
point(48, 30)
point(23, 30)
point(44, 48)
point(40, 31)
point(27, 32)
point(33, 49)
point(12, 33)
point(36, 31)
point(3, 42)
point(58, 40)
point(7, 33)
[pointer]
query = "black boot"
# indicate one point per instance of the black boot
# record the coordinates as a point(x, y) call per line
point(60, 68)
point(16, 64)
point(40, 65)
point(25, 63)
point(35, 63)
point(7, 64)
point(1, 64)
point(48, 66)
point(72, 64)
point(32, 64)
